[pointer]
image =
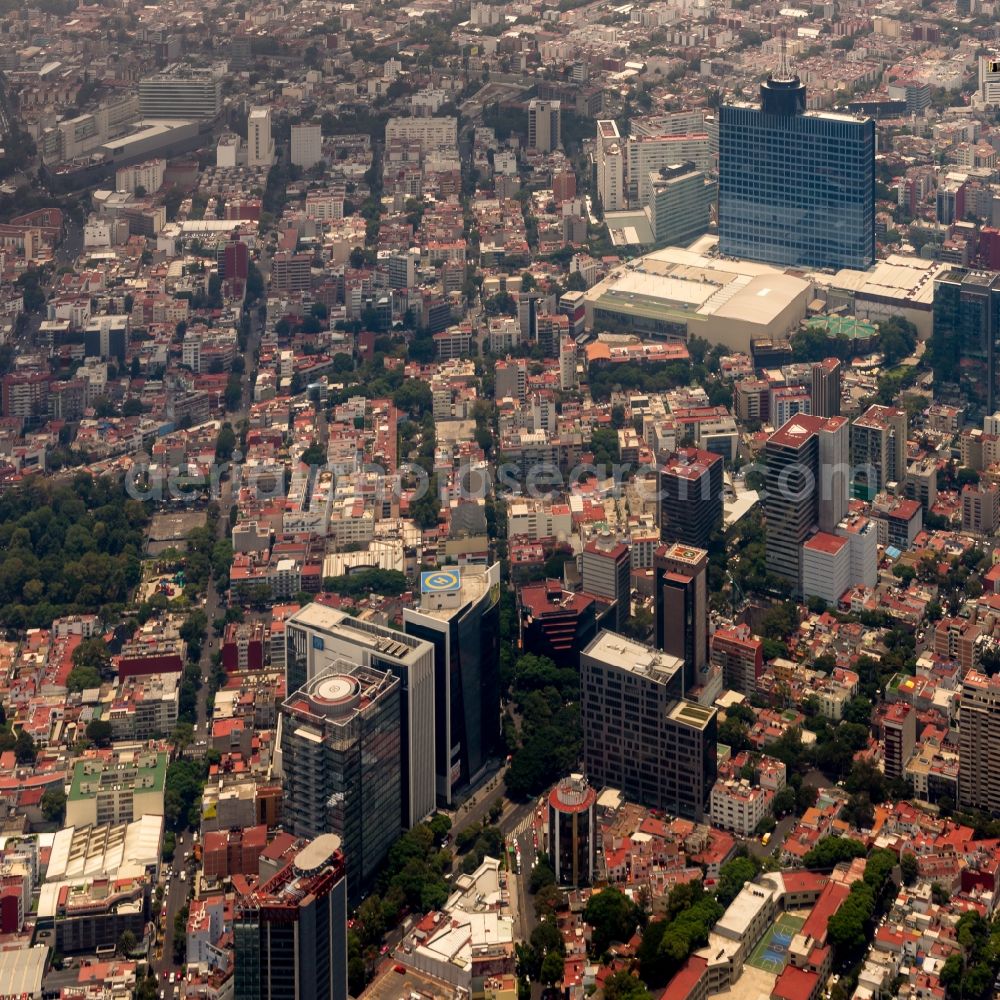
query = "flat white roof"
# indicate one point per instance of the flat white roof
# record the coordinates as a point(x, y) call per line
point(898, 277)
point(689, 281)
point(21, 970)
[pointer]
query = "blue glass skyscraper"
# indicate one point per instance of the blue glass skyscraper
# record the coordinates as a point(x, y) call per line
point(796, 187)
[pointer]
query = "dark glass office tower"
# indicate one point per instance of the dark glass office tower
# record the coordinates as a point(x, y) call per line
point(796, 187)
point(965, 348)
point(459, 615)
point(290, 932)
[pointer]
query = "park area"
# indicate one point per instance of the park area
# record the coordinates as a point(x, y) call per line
point(771, 952)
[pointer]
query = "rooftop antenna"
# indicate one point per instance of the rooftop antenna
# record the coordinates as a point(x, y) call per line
point(784, 70)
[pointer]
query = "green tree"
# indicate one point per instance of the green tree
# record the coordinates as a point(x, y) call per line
point(54, 804)
point(552, 968)
point(612, 916)
point(624, 986)
point(24, 748)
point(832, 850)
point(99, 732)
point(909, 867)
point(82, 679)
point(732, 876)
point(126, 944)
point(93, 653)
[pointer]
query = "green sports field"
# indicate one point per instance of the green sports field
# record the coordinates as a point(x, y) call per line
point(771, 952)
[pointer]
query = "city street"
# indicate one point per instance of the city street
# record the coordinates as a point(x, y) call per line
point(177, 891)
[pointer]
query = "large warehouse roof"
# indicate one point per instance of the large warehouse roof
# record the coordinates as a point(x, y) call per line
point(711, 294)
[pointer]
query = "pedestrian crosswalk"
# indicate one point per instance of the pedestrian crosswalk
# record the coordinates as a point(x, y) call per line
point(523, 827)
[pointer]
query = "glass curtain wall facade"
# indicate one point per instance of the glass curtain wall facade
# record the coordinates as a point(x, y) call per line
point(965, 348)
point(796, 189)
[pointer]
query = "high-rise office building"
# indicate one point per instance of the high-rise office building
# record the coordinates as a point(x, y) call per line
point(572, 831)
point(342, 767)
point(609, 162)
point(965, 346)
point(878, 450)
point(306, 145)
point(260, 144)
point(680, 582)
point(290, 932)
point(605, 571)
point(180, 92)
point(646, 155)
point(808, 480)
point(459, 615)
point(639, 735)
point(979, 742)
point(989, 79)
point(690, 497)
point(680, 204)
point(318, 638)
point(796, 187)
point(826, 388)
point(544, 118)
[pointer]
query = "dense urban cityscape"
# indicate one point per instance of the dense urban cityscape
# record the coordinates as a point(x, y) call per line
point(499, 501)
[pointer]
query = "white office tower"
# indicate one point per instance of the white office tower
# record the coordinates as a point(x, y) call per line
point(260, 145)
point(544, 121)
point(609, 158)
point(989, 78)
point(307, 145)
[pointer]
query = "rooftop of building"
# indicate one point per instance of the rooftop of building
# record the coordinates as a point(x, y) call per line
point(898, 277)
point(825, 543)
point(22, 969)
point(690, 463)
point(879, 417)
point(548, 597)
point(143, 770)
point(475, 583)
point(691, 714)
point(681, 553)
point(387, 642)
point(628, 654)
point(802, 427)
point(674, 282)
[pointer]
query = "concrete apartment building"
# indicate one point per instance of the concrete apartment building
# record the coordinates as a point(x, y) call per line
point(978, 740)
point(807, 488)
point(260, 143)
point(306, 145)
point(117, 786)
point(544, 120)
point(878, 450)
point(740, 654)
point(980, 509)
point(605, 571)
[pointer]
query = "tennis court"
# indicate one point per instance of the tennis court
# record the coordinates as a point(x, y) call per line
point(771, 952)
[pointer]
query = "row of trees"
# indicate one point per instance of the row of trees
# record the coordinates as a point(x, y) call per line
point(413, 878)
point(388, 582)
point(546, 740)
